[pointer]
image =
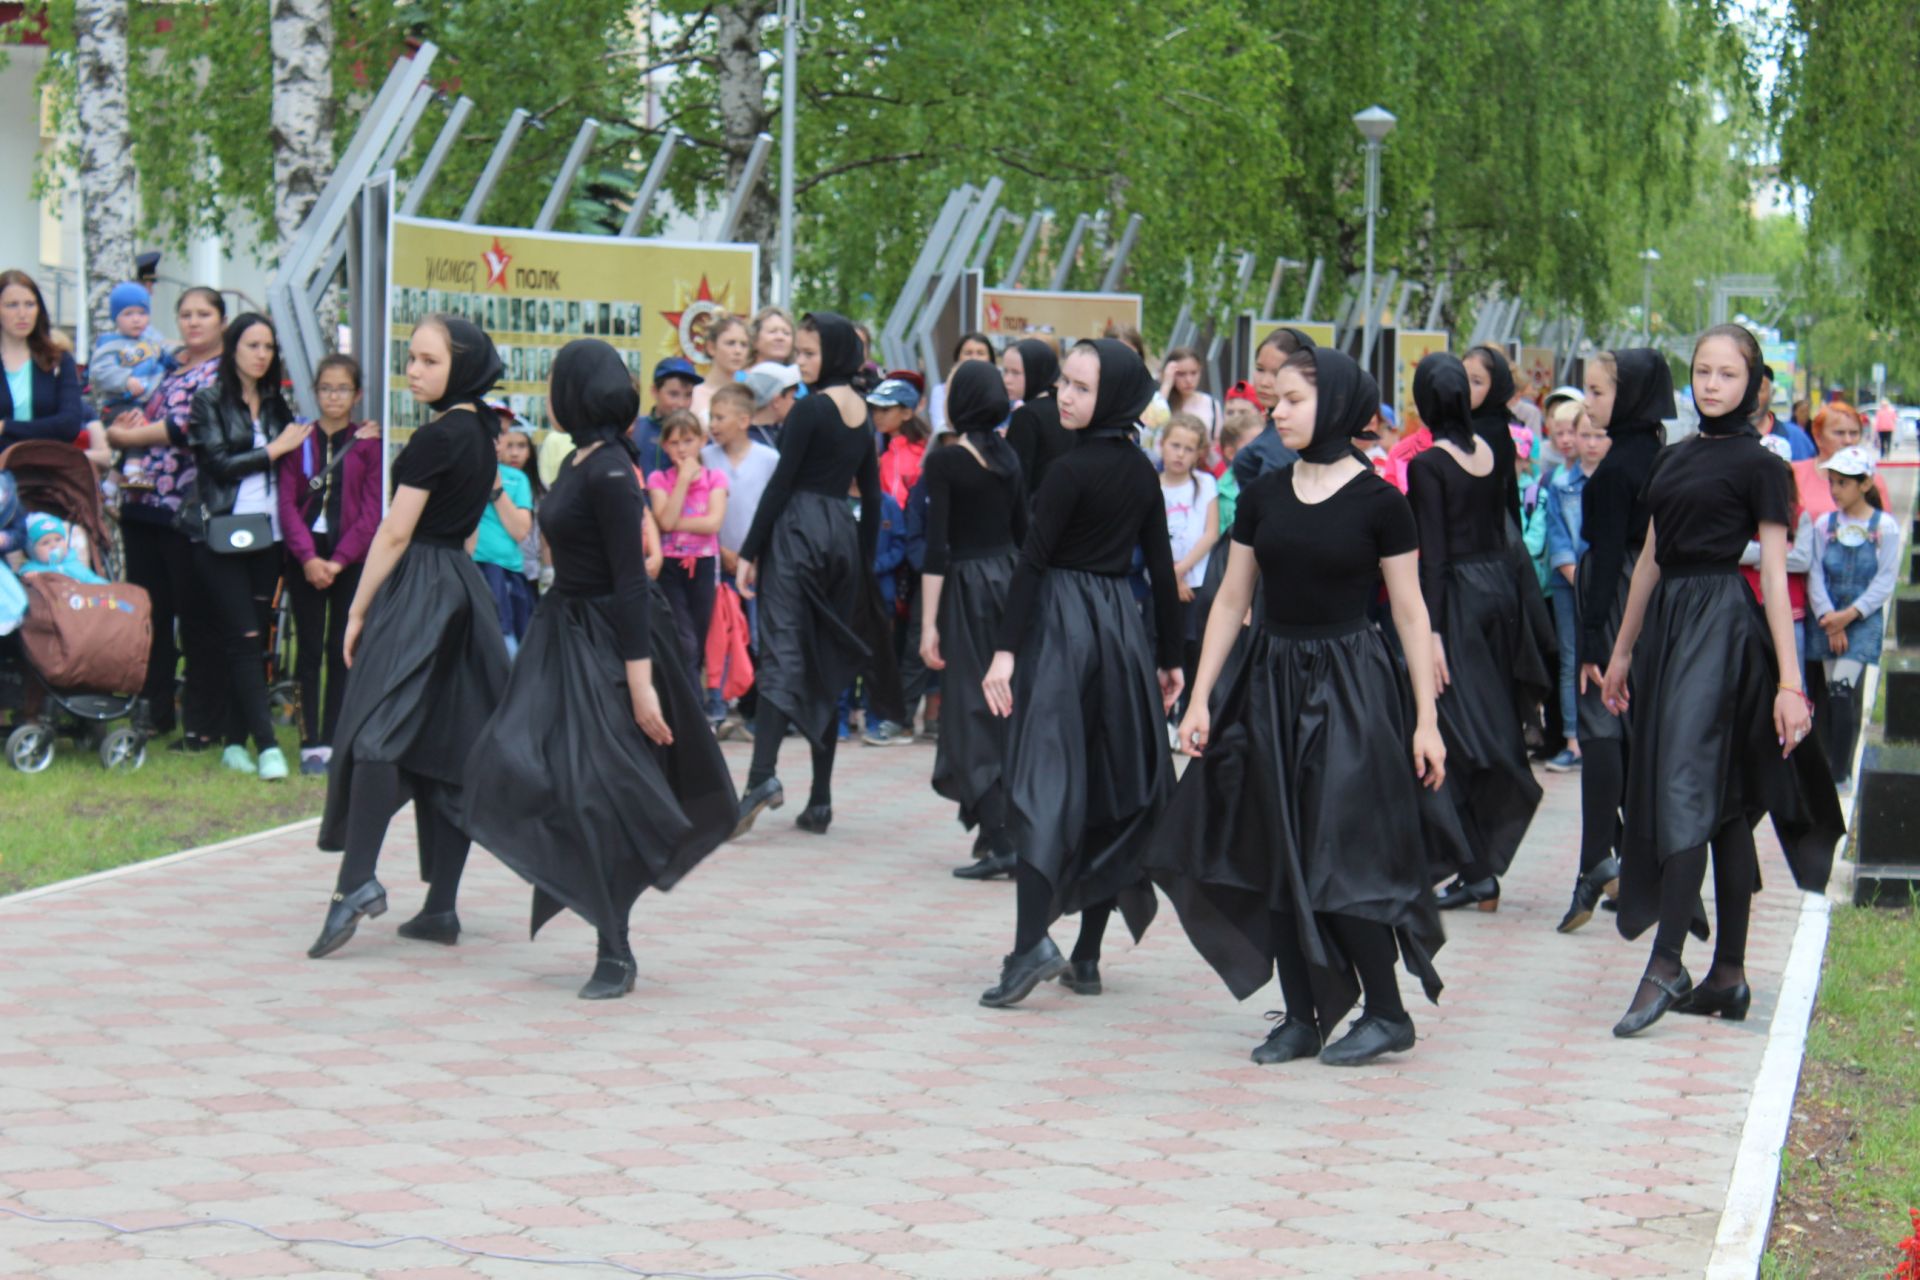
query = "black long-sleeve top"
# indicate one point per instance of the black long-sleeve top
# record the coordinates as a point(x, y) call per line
point(1458, 515)
point(1613, 521)
point(1039, 440)
point(1506, 456)
point(591, 521)
point(971, 512)
point(819, 453)
point(1096, 505)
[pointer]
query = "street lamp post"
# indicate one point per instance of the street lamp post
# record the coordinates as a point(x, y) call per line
point(1699, 306)
point(790, 19)
point(1647, 259)
point(1374, 124)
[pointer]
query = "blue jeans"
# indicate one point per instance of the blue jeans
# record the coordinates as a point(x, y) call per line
point(1564, 623)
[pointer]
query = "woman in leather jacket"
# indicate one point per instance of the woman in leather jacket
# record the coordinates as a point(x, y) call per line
point(239, 428)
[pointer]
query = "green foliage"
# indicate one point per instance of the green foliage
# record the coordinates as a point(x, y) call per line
point(1849, 125)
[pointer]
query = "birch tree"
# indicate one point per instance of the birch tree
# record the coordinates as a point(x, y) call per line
point(301, 37)
point(108, 200)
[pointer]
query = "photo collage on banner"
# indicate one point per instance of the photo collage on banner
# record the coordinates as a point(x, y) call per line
point(534, 292)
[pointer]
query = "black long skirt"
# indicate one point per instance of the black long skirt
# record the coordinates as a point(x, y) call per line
point(571, 794)
point(429, 670)
point(1087, 768)
point(972, 752)
point(1597, 724)
point(1489, 779)
point(1704, 747)
point(1305, 802)
point(821, 623)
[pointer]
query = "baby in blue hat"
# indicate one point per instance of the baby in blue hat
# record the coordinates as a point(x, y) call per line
point(52, 548)
point(129, 362)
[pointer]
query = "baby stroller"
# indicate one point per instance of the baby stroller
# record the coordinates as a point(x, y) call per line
point(83, 645)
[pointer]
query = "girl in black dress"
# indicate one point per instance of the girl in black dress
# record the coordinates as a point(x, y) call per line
point(1459, 505)
point(819, 620)
point(1719, 712)
point(1297, 839)
point(597, 778)
point(1086, 769)
point(1629, 392)
point(1034, 431)
point(423, 642)
point(976, 520)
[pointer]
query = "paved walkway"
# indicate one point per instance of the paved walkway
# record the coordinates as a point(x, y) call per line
point(803, 1083)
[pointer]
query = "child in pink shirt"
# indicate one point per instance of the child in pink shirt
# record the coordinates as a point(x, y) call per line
point(689, 501)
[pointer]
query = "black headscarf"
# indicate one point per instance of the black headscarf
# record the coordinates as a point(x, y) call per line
point(1643, 392)
point(474, 367)
point(1347, 397)
point(1441, 394)
point(840, 352)
point(1125, 390)
point(1740, 421)
point(594, 399)
point(1301, 341)
point(1041, 365)
point(976, 404)
point(1493, 412)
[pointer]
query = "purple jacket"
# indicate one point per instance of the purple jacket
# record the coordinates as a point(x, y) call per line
point(359, 478)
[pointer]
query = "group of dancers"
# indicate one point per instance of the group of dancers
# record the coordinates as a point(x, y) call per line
point(1336, 773)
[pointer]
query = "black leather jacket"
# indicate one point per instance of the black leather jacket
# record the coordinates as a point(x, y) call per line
point(221, 435)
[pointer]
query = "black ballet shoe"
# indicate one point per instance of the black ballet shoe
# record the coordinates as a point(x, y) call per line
point(612, 978)
point(1672, 991)
point(1082, 977)
point(1370, 1036)
point(999, 864)
point(442, 927)
point(1730, 1003)
point(343, 917)
point(982, 845)
point(1021, 973)
point(767, 795)
point(815, 818)
point(1483, 894)
point(1290, 1038)
point(1588, 888)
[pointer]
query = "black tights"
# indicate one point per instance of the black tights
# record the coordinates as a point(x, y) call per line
point(770, 726)
point(371, 804)
point(1033, 894)
point(1603, 785)
point(1681, 876)
point(1371, 950)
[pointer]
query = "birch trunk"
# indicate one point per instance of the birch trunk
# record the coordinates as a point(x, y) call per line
point(107, 187)
point(301, 36)
point(744, 113)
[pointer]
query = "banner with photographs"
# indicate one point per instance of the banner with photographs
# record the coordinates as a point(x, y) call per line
point(535, 291)
point(1008, 315)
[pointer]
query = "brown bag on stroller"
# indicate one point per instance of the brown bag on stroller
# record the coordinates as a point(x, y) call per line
point(87, 637)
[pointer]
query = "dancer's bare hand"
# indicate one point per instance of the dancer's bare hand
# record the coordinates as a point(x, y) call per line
point(1429, 758)
point(1792, 719)
point(930, 647)
point(351, 641)
point(1196, 729)
point(744, 578)
point(998, 684)
point(1172, 681)
point(1442, 676)
point(646, 714)
point(1613, 685)
point(1591, 674)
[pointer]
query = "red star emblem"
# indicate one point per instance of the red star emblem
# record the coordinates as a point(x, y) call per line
point(496, 260)
point(695, 340)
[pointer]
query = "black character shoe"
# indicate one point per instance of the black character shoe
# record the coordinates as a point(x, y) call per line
point(1020, 974)
point(612, 978)
point(343, 917)
point(767, 795)
point(815, 818)
point(1082, 977)
point(1672, 991)
point(999, 864)
point(1290, 1038)
point(1368, 1038)
point(1730, 1003)
point(1482, 894)
point(442, 927)
point(1604, 879)
point(982, 845)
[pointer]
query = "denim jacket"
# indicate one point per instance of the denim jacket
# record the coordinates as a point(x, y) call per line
point(1564, 544)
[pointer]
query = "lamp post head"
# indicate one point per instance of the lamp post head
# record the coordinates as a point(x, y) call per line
point(1374, 124)
point(1650, 255)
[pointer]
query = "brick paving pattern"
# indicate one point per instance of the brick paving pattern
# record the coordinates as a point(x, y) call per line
point(803, 1083)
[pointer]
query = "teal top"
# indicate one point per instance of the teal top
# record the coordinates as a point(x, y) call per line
point(494, 544)
point(20, 383)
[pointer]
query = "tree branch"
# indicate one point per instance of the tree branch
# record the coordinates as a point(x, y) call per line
point(851, 166)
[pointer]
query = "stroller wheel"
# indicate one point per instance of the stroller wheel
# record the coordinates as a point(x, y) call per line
point(123, 749)
point(30, 748)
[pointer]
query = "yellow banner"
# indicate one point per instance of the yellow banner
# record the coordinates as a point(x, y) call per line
point(1410, 347)
point(1533, 372)
point(535, 291)
point(1321, 333)
point(1013, 314)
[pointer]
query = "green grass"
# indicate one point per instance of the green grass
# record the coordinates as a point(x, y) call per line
point(1851, 1169)
point(77, 818)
